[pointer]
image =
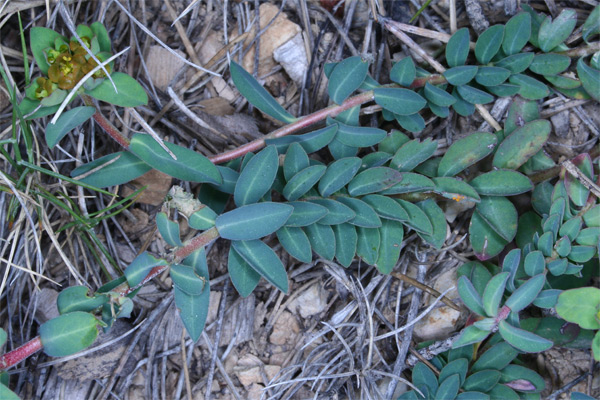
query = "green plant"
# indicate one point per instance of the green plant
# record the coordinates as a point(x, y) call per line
point(466, 373)
point(582, 306)
point(362, 202)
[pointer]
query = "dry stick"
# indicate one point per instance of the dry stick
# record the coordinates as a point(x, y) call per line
point(392, 26)
point(184, 362)
point(399, 364)
point(218, 330)
point(581, 177)
point(452, 7)
point(424, 288)
point(415, 30)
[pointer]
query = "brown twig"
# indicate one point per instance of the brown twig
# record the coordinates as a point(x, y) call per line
point(424, 288)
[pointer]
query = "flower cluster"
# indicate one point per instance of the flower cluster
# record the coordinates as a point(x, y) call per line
point(68, 65)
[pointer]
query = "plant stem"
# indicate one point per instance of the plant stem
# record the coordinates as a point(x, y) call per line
point(20, 353)
point(106, 124)
point(194, 244)
point(581, 51)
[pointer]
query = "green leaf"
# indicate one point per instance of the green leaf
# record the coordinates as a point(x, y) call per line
point(66, 122)
point(547, 298)
point(553, 33)
point(474, 96)
point(295, 161)
point(516, 33)
point(521, 144)
point(572, 228)
point(253, 221)
point(516, 63)
point(526, 293)
point(590, 78)
point(358, 136)
point(391, 234)
point(457, 366)
point(412, 123)
point(130, 92)
point(563, 82)
point(489, 43)
point(295, 242)
point(404, 72)
point(186, 279)
point(257, 95)
point(501, 183)
point(202, 219)
point(338, 213)
point(460, 75)
point(140, 267)
point(40, 39)
point(578, 193)
point(347, 76)
point(500, 214)
point(438, 223)
point(305, 213)
point(496, 357)
point(550, 64)
point(470, 296)
point(386, 207)
point(534, 263)
point(523, 340)
point(257, 177)
point(102, 36)
point(411, 182)
point(448, 387)
point(438, 96)
point(491, 76)
point(340, 150)
point(588, 236)
point(422, 376)
point(457, 49)
point(75, 298)
point(322, 240)
point(373, 180)
point(466, 152)
point(470, 335)
point(193, 311)
point(302, 182)
point(413, 153)
point(531, 88)
point(476, 273)
point(368, 244)
point(126, 168)
point(473, 396)
point(522, 379)
point(455, 189)
point(591, 26)
point(365, 217)
point(169, 230)
point(417, 219)
point(492, 295)
point(482, 380)
point(338, 174)
point(580, 306)
point(462, 107)
point(592, 216)
point(346, 240)
point(442, 112)
point(263, 260)
point(6, 393)
point(68, 333)
point(189, 166)
point(242, 275)
point(520, 112)
point(311, 141)
point(504, 90)
point(485, 241)
point(399, 101)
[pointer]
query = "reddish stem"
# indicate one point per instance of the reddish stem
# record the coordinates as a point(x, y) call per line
point(106, 124)
point(199, 241)
point(20, 353)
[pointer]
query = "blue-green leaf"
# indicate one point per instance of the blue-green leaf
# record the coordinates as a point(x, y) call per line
point(140, 267)
point(404, 72)
point(169, 230)
point(345, 243)
point(492, 295)
point(526, 293)
point(295, 242)
point(399, 101)
point(295, 161)
point(417, 219)
point(257, 95)
point(302, 182)
point(368, 244)
point(457, 49)
point(68, 333)
point(516, 33)
point(338, 174)
point(189, 165)
point(592, 24)
point(257, 177)
point(469, 296)
point(311, 141)
point(66, 122)
point(373, 180)
point(120, 167)
point(130, 92)
point(522, 339)
point(488, 43)
point(242, 275)
point(347, 76)
point(497, 357)
point(263, 260)
point(500, 214)
point(553, 33)
point(358, 136)
point(386, 207)
point(413, 153)
point(466, 152)
point(470, 335)
point(75, 298)
point(460, 75)
point(438, 96)
point(338, 213)
point(322, 240)
point(448, 387)
point(253, 221)
point(590, 78)
point(305, 213)
point(391, 234)
point(186, 279)
point(365, 217)
point(438, 223)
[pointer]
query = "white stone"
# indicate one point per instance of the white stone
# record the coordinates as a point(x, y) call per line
point(311, 302)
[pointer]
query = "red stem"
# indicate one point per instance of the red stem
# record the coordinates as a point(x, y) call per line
point(20, 353)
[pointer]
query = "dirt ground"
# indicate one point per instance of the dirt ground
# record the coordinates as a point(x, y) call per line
point(325, 339)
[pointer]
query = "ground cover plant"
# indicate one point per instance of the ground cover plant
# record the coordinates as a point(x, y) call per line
point(336, 186)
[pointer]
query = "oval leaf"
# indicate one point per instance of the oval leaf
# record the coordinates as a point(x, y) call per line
point(322, 240)
point(553, 33)
point(365, 215)
point(264, 261)
point(66, 122)
point(242, 275)
point(169, 230)
point(373, 180)
point(489, 43)
point(140, 267)
point(189, 166)
point(522, 144)
point(404, 72)
point(399, 101)
point(338, 174)
point(295, 242)
point(305, 213)
point(347, 76)
point(119, 168)
point(492, 295)
point(187, 280)
point(526, 293)
point(485, 241)
point(257, 95)
point(345, 243)
point(460, 75)
point(516, 33)
point(75, 298)
point(590, 79)
point(302, 182)
point(522, 339)
point(501, 183)
point(257, 177)
point(413, 153)
point(457, 49)
point(391, 234)
point(500, 214)
point(253, 221)
point(466, 152)
point(130, 92)
point(68, 333)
